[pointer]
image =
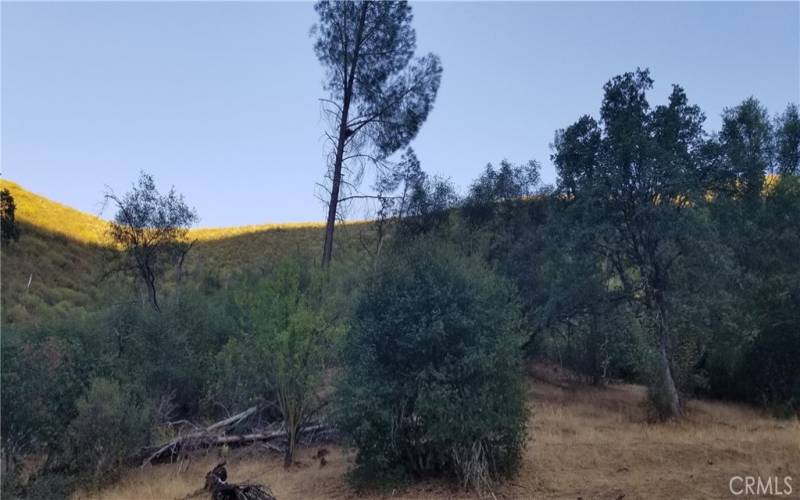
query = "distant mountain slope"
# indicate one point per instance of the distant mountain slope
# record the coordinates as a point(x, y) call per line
point(59, 263)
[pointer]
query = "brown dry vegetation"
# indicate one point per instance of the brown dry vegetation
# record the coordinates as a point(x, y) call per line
point(586, 442)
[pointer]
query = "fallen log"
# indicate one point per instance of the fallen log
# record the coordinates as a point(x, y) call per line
point(264, 436)
point(232, 420)
point(154, 453)
point(208, 439)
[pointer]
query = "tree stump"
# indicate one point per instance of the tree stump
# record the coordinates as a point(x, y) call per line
point(221, 490)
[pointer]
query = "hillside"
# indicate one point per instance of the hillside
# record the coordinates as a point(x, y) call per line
point(62, 257)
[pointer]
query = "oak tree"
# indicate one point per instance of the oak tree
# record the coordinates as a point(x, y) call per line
point(152, 229)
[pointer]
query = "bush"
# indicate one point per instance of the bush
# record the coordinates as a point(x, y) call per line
point(168, 352)
point(40, 383)
point(282, 350)
point(44, 486)
point(112, 422)
point(770, 374)
point(432, 379)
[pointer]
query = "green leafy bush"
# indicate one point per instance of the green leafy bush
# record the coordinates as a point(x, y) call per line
point(168, 353)
point(40, 383)
point(42, 486)
point(112, 422)
point(282, 349)
point(432, 379)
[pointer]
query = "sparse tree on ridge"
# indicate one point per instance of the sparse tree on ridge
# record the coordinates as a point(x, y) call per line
point(152, 229)
point(498, 190)
point(411, 200)
point(379, 94)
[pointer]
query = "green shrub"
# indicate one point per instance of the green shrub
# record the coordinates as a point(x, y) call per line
point(113, 421)
point(44, 486)
point(40, 383)
point(431, 381)
point(770, 373)
point(282, 349)
point(240, 380)
point(169, 352)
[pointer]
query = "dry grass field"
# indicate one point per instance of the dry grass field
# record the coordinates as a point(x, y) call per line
point(586, 443)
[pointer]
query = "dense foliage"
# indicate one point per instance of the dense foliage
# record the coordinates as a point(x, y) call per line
point(111, 420)
point(634, 178)
point(665, 254)
point(432, 370)
point(284, 343)
point(88, 394)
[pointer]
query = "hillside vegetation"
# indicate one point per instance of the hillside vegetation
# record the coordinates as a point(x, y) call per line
point(407, 353)
point(63, 256)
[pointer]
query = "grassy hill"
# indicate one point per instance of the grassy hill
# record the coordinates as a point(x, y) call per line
point(60, 263)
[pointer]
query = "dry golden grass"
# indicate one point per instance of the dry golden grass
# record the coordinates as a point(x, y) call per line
point(59, 262)
point(56, 218)
point(597, 443)
point(55, 266)
point(586, 442)
point(86, 228)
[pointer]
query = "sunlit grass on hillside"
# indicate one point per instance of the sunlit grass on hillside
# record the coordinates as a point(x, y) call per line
point(87, 228)
point(218, 233)
point(52, 216)
point(58, 266)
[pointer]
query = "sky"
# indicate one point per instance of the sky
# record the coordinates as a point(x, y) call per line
point(221, 99)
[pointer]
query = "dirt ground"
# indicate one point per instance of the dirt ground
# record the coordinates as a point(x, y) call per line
point(585, 443)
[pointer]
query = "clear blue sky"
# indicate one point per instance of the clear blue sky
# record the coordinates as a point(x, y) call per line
point(220, 99)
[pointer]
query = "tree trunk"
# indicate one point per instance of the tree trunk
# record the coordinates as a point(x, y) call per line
point(666, 381)
point(291, 439)
point(179, 271)
point(336, 182)
point(327, 252)
point(597, 351)
point(667, 384)
point(151, 286)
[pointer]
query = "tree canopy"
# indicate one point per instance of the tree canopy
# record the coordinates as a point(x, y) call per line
point(152, 229)
point(379, 94)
